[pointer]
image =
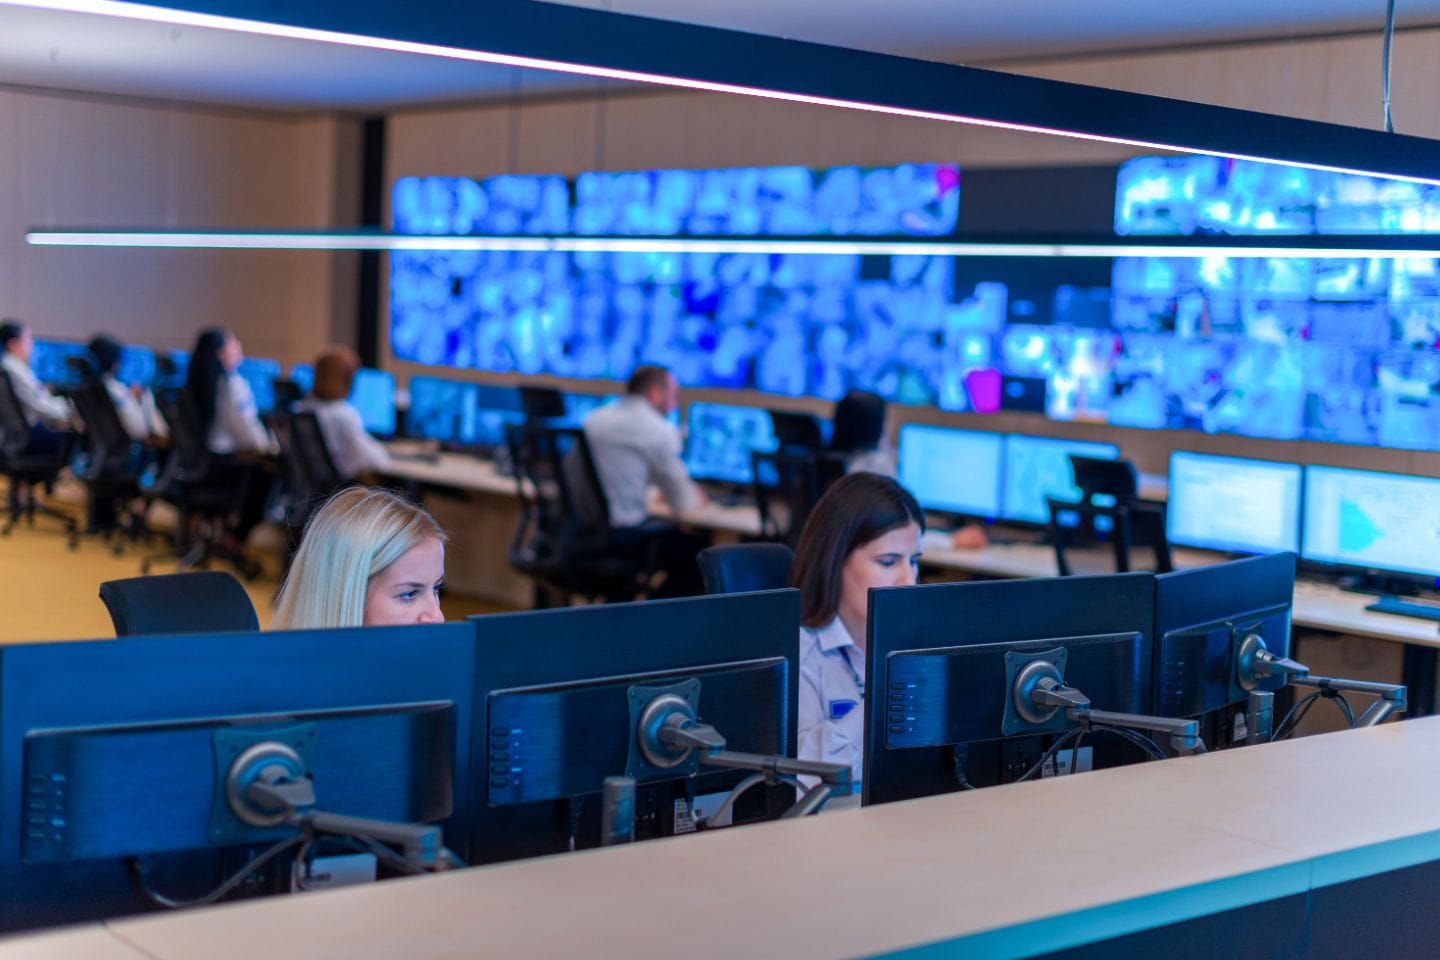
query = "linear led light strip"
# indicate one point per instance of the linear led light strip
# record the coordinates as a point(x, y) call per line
point(136, 11)
point(372, 241)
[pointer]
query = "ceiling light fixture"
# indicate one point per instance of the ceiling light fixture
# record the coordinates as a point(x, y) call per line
point(546, 36)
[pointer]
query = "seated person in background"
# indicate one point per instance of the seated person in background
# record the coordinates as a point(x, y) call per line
point(634, 446)
point(368, 558)
point(135, 405)
point(859, 434)
point(351, 449)
point(865, 532)
point(226, 411)
point(47, 415)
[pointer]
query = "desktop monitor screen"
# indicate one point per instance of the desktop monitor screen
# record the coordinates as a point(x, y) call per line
point(560, 692)
point(442, 410)
point(955, 471)
point(721, 438)
point(373, 394)
point(261, 373)
point(1039, 467)
point(1203, 615)
point(137, 366)
point(114, 754)
point(171, 366)
point(939, 661)
point(48, 361)
point(303, 376)
point(1377, 521)
point(495, 409)
point(1233, 504)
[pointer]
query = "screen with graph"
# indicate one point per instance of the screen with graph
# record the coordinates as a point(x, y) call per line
point(1380, 521)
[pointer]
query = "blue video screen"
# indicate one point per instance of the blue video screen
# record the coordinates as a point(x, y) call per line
point(954, 471)
point(261, 373)
point(137, 366)
point(48, 358)
point(1373, 521)
point(720, 438)
point(1037, 468)
point(303, 376)
point(1233, 504)
point(373, 394)
point(442, 410)
point(178, 362)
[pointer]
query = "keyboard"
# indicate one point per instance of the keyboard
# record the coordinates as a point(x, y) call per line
point(1407, 607)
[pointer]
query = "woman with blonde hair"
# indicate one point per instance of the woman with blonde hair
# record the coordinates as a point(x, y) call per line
point(368, 558)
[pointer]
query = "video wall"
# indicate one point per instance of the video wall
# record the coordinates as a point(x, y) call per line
point(1286, 348)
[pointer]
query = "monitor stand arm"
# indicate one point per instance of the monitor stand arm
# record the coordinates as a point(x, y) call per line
point(1255, 663)
point(672, 733)
point(267, 785)
point(1040, 692)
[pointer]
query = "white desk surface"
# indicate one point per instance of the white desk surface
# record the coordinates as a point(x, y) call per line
point(999, 872)
point(457, 470)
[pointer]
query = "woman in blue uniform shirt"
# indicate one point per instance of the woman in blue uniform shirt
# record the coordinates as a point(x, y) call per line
point(865, 532)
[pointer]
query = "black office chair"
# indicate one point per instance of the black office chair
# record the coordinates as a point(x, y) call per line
point(745, 567)
point(110, 468)
point(541, 403)
point(27, 469)
point(799, 430)
point(563, 540)
point(203, 602)
point(205, 497)
point(787, 486)
point(1108, 489)
point(308, 476)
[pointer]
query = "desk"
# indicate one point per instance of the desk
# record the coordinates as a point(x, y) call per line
point(1009, 871)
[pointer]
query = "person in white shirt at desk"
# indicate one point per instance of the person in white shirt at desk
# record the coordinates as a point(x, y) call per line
point(135, 405)
point(864, 532)
point(352, 449)
point(47, 415)
point(230, 423)
point(634, 445)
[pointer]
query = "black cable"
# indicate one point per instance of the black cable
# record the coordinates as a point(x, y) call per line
point(1134, 737)
point(1385, 62)
point(141, 876)
point(1055, 748)
point(1293, 717)
point(1075, 752)
point(1345, 708)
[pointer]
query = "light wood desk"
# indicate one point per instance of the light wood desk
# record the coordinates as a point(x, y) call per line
point(1004, 872)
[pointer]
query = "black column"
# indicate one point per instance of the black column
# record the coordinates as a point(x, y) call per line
point(372, 197)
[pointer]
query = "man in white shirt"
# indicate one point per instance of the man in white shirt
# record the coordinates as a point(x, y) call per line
point(634, 445)
point(46, 414)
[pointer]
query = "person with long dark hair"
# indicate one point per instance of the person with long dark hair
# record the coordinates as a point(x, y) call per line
point(859, 433)
point(864, 532)
point(134, 404)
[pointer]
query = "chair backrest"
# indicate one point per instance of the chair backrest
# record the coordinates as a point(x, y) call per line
point(1136, 523)
point(312, 454)
point(541, 403)
point(745, 567)
point(107, 445)
point(787, 486)
point(563, 508)
point(14, 429)
point(203, 602)
point(189, 456)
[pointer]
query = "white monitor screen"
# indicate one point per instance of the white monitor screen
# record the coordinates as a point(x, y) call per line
point(1233, 504)
point(957, 471)
point(1383, 521)
point(1039, 467)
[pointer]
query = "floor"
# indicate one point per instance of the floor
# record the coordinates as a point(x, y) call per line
point(52, 593)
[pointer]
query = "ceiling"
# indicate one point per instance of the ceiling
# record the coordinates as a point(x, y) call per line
point(99, 54)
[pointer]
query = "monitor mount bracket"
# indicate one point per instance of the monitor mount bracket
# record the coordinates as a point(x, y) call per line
point(1254, 663)
point(1039, 693)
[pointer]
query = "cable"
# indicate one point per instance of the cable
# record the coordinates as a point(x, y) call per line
point(1055, 748)
point(1385, 62)
point(141, 876)
point(730, 798)
point(1135, 738)
point(1344, 706)
point(1293, 717)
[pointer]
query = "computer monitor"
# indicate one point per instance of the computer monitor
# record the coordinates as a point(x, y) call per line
point(1039, 467)
point(720, 438)
point(1202, 619)
point(954, 471)
point(559, 694)
point(496, 408)
point(1372, 521)
point(442, 410)
point(261, 373)
point(171, 366)
point(137, 366)
point(1233, 504)
point(115, 755)
point(48, 358)
point(303, 376)
point(578, 406)
point(373, 394)
point(942, 659)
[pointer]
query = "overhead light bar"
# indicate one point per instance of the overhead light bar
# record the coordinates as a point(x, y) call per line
point(565, 39)
point(1297, 247)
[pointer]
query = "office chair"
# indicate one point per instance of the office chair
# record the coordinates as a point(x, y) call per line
point(26, 469)
point(307, 473)
point(110, 469)
point(541, 403)
point(1109, 489)
point(563, 540)
point(787, 486)
point(204, 497)
point(196, 602)
point(745, 567)
point(800, 430)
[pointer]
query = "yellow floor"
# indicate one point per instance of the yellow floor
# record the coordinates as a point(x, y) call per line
point(50, 592)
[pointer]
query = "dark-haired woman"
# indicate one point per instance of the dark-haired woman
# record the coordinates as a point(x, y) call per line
point(230, 424)
point(865, 532)
point(859, 433)
point(134, 404)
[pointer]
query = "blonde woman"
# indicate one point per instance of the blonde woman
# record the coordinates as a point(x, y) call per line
point(368, 558)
